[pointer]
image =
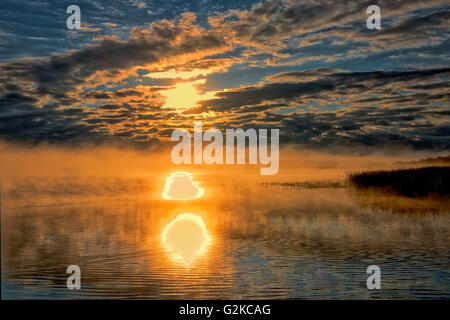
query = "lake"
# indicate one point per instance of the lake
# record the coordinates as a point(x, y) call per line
point(235, 241)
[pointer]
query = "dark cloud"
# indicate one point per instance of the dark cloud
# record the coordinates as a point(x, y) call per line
point(102, 95)
point(98, 95)
point(324, 83)
point(15, 98)
point(375, 108)
point(366, 127)
point(98, 91)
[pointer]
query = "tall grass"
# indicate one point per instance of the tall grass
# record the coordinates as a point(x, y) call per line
point(416, 182)
point(308, 184)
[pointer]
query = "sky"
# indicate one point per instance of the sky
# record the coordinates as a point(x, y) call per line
point(137, 70)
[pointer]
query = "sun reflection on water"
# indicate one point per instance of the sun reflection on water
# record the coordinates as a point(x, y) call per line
point(181, 186)
point(186, 238)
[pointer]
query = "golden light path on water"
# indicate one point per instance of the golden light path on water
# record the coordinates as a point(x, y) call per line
point(181, 186)
point(186, 238)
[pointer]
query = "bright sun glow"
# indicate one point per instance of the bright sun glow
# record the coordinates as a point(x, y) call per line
point(181, 186)
point(184, 96)
point(186, 238)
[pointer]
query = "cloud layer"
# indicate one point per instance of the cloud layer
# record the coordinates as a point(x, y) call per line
point(309, 68)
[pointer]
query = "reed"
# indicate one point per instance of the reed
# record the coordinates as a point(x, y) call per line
point(415, 182)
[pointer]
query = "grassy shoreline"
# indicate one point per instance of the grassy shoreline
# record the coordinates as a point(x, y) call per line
point(414, 182)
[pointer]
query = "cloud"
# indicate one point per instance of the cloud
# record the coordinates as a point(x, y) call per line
point(369, 127)
point(360, 109)
point(36, 93)
point(160, 43)
point(322, 81)
point(285, 64)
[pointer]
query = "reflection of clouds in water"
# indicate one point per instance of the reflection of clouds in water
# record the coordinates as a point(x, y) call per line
point(186, 237)
point(181, 186)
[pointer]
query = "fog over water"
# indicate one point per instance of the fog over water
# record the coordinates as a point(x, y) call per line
point(247, 236)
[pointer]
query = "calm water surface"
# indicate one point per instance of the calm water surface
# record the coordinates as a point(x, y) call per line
point(235, 242)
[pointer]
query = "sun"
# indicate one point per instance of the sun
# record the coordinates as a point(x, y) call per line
point(182, 186)
point(184, 96)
